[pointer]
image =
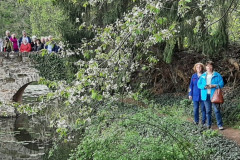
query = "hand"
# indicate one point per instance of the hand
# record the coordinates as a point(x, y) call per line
point(207, 87)
point(190, 97)
point(212, 86)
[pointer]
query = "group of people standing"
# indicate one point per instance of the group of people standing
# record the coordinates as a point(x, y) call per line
point(201, 90)
point(27, 44)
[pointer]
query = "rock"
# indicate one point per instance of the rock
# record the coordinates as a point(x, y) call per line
point(7, 110)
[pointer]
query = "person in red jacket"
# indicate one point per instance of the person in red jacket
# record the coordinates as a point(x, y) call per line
point(25, 46)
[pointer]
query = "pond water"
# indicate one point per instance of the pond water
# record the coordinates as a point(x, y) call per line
point(25, 137)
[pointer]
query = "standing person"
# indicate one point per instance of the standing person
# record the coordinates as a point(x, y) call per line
point(14, 40)
point(51, 45)
point(8, 47)
point(46, 40)
point(1, 44)
point(25, 46)
point(24, 37)
point(195, 94)
point(8, 34)
point(38, 46)
point(43, 40)
point(208, 82)
point(33, 43)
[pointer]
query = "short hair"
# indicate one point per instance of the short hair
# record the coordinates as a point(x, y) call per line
point(7, 31)
point(195, 65)
point(210, 63)
point(25, 40)
point(23, 31)
point(34, 37)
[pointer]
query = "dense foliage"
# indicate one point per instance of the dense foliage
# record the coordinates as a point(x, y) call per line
point(55, 67)
point(45, 18)
point(13, 17)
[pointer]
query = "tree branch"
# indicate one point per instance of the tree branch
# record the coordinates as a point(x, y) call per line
point(221, 17)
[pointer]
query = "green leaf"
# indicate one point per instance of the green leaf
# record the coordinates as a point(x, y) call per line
point(94, 94)
point(85, 4)
point(172, 26)
point(86, 55)
point(138, 31)
point(44, 51)
point(161, 20)
point(79, 75)
point(158, 37)
point(99, 97)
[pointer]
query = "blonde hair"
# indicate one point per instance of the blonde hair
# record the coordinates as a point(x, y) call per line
point(195, 65)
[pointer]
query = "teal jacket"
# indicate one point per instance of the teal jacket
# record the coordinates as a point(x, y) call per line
point(202, 82)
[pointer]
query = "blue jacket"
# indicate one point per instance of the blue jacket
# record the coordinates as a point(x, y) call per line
point(194, 91)
point(216, 80)
point(54, 48)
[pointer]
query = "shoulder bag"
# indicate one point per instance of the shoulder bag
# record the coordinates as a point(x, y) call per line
point(217, 96)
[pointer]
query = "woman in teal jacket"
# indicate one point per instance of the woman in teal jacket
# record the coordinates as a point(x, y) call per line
point(208, 82)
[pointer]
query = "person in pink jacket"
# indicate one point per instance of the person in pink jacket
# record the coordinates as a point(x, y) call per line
point(15, 42)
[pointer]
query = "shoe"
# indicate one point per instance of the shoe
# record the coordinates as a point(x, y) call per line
point(208, 127)
point(195, 123)
point(221, 128)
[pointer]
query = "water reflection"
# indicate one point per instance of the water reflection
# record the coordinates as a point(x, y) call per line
point(25, 137)
point(32, 92)
point(15, 144)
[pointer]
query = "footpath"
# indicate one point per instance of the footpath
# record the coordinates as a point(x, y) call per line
point(230, 133)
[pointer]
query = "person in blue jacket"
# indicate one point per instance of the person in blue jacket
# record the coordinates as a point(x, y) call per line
point(195, 94)
point(208, 82)
point(28, 39)
point(51, 46)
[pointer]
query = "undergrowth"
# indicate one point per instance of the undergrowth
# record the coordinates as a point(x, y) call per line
point(123, 131)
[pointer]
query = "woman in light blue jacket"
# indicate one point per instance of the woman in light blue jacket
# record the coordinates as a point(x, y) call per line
point(208, 82)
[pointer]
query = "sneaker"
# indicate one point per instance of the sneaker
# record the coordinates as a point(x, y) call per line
point(195, 123)
point(220, 128)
